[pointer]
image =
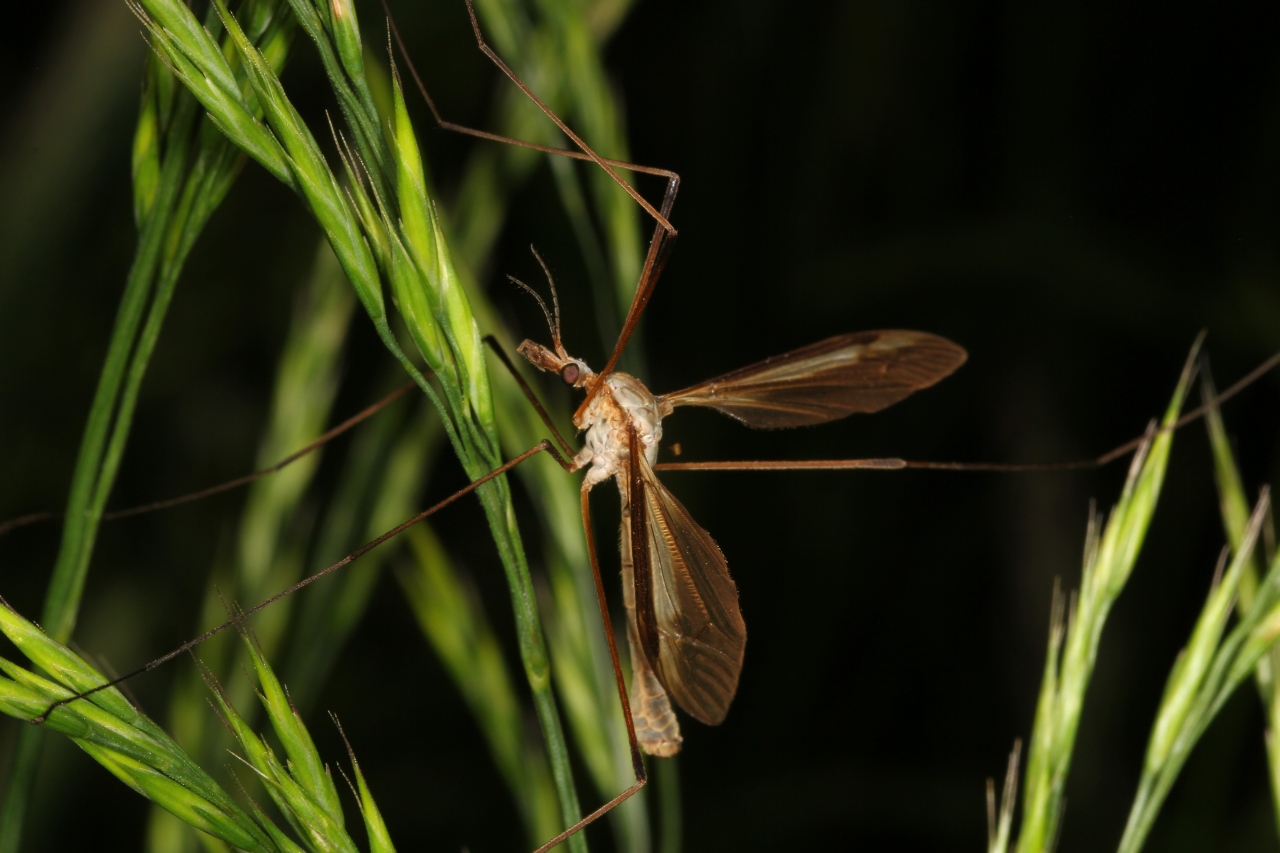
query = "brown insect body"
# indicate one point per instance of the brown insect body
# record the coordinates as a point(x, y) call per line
point(621, 423)
point(684, 626)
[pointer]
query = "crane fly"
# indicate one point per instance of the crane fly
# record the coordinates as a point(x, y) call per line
point(684, 627)
point(686, 632)
point(683, 622)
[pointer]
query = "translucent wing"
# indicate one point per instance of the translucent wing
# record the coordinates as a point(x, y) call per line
point(862, 372)
point(687, 614)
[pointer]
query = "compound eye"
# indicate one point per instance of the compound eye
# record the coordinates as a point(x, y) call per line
point(570, 373)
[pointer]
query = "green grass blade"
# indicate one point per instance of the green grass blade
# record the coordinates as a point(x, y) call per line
point(174, 203)
point(582, 670)
point(460, 370)
point(1235, 512)
point(109, 729)
point(452, 619)
point(1204, 677)
point(272, 546)
point(1109, 561)
point(403, 244)
point(379, 487)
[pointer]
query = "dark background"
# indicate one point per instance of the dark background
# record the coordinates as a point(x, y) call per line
point(1070, 191)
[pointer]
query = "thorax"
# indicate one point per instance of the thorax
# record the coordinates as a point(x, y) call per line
point(623, 403)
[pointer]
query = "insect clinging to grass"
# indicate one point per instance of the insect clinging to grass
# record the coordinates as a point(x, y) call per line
point(690, 650)
point(686, 632)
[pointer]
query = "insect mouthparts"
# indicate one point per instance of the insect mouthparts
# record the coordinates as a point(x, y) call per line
point(540, 357)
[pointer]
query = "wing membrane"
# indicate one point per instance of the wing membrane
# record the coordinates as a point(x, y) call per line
point(687, 616)
point(655, 722)
point(861, 372)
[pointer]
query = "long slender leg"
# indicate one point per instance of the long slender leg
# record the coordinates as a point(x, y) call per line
point(564, 128)
point(319, 442)
point(810, 465)
point(893, 464)
point(543, 446)
point(799, 465)
point(637, 761)
point(883, 465)
point(899, 464)
point(1198, 412)
point(660, 246)
point(880, 465)
point(586, 153)
point(324, 439)
point(664, 233)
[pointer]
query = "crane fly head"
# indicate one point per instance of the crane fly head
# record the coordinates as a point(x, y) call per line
point(573, 371)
